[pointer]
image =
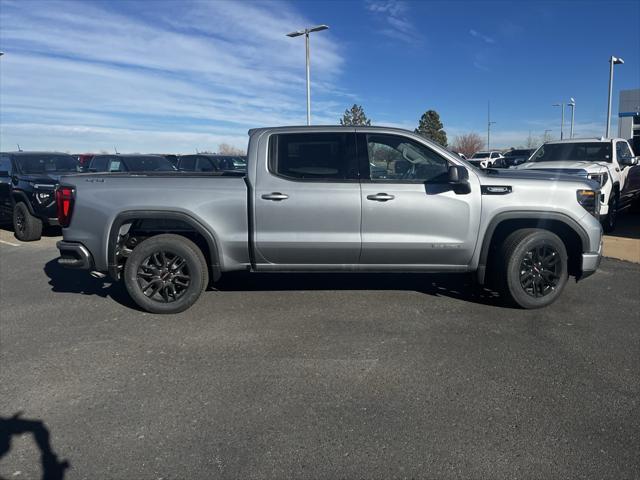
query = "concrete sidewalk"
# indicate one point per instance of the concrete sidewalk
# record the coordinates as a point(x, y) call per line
point(624, 242)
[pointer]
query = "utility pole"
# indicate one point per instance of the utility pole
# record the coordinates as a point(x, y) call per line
point(489, 123)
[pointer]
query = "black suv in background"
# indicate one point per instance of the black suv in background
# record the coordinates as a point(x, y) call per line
point(27, 189)
point(514, 157)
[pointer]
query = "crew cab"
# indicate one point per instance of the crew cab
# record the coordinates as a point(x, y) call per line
point(609, 161)
point(27, 190)
point(331, 199)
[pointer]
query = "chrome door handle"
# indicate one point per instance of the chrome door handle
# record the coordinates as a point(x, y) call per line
point(275, 196)
point(380, 197)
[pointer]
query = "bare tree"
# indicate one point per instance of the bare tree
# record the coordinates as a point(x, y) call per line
point(468, 143)
point(226, 149)
point(532, 142)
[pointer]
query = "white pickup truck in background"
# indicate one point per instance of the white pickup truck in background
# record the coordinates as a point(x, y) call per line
point(610, 161)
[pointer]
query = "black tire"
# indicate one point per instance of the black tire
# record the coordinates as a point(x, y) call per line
point(152, 267)
point(26, 227)
point(534, 267)
point(611, 218)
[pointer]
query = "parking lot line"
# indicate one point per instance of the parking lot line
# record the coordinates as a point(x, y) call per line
point(10, 243)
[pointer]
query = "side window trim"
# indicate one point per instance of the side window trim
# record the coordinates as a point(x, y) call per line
point(272, 152)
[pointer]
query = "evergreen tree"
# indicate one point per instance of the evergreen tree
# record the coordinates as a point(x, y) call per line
point(354, 116)
point(430, 127)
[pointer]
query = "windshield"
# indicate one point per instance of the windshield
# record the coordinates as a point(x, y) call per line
point(46, 163)
point(481, 155)
point(584, 151)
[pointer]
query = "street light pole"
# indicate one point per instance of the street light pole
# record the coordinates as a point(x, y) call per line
point(612, 61)
point(306, 33)
point(561, 105)
point(572, 104)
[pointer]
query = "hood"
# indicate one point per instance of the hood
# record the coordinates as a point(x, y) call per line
point(44, 178)
point(492, 175)
point(571, 167)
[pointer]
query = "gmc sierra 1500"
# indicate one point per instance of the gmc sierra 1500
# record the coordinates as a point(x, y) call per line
point(332, 199)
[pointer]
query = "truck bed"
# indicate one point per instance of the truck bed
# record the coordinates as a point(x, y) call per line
point(214, 200)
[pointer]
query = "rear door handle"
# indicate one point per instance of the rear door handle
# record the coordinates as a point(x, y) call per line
point(275, 196)
point(380, 197)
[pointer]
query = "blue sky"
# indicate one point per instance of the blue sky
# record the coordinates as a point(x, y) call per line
point(179, 76)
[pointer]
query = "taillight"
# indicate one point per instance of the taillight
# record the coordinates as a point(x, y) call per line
point(64, 202)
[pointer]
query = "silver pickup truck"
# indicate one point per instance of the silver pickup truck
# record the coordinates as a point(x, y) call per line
point(338, 199)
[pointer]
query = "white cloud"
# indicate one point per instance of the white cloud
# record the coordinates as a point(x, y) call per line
point(484, 38)
point(211, 69)
point(394, 20)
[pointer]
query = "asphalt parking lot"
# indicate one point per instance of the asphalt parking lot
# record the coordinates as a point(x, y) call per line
point(316, 376)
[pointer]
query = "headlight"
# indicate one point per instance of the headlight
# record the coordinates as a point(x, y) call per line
point(44, 197)
point(601, 178)
point(590, 201)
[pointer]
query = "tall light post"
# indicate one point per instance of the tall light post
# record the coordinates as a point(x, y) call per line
point(612, 61)
point(306, 33)
point(572, 104)
point(561, 105)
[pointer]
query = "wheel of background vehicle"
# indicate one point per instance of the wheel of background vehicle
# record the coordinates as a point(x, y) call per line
point(609, 221)
point(534, 267)
point(26, 227)
point(166, 274)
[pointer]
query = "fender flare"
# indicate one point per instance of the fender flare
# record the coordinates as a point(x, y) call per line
point(123, 217)
point(23, 198)
point(540, 216)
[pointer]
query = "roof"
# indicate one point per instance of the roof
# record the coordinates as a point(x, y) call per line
point(582, 140)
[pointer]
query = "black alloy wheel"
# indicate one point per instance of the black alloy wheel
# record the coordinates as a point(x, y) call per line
point(540, 271)
point(164, 276)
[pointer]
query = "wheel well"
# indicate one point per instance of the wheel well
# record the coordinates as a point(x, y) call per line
point(18, 197)
point(133, 231)
point(568, 235)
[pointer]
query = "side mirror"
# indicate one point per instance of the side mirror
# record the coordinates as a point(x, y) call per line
point(458, 174)
point(628, 162)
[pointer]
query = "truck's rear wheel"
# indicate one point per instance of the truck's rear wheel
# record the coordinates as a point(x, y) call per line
point(534, 267)
point(26, 227)
point(166, 274)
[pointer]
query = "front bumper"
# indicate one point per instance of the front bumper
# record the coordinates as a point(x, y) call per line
point(74, 255)
point(591, 262)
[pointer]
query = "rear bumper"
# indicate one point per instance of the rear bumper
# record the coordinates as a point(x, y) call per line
point(74, 255)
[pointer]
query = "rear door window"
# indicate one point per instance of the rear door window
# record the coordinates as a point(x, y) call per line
point(314, 156)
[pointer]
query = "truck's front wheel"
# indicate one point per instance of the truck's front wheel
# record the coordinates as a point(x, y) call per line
point(609, 221)
point(26, 227)
point(166, 274)
point(534, 267)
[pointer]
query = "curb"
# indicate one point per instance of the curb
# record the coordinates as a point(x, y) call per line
point(622, 248)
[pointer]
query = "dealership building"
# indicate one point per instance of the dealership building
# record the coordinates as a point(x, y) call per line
point(629, 114)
